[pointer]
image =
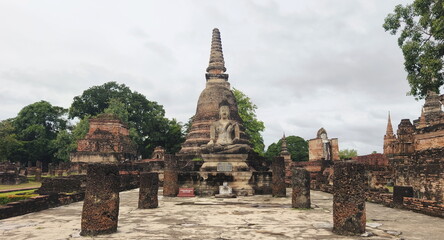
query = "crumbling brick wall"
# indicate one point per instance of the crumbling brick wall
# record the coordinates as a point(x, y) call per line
point(424, 171)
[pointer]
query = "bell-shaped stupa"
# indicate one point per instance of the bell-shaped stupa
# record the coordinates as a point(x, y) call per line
point(216, 93)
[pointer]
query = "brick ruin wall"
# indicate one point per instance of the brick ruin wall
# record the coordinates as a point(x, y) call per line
point(56, 195)
point(424, 171)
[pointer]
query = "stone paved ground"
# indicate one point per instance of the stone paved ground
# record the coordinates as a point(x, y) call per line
point(258, 217)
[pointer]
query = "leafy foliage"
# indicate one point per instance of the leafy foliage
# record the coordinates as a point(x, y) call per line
point(30, 135)
point(63, 145)
point(422, 43)
point(347, 153)
point(10, 146)
point(253, 127)
point(296, 145)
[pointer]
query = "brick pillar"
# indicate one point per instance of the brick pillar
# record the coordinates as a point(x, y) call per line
point(79, 168)
point(149, 186)
point(101, 206)
point(349, 186)
point(50, 169)
point(278, 178)
point(300, 181)
point(170, 177)
point(38, 174)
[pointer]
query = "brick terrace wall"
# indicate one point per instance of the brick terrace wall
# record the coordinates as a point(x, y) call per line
point(127, 181)
point(428, 207)
point(385, 199)
point(376, 159)
point(424, 171)
point(38, 203)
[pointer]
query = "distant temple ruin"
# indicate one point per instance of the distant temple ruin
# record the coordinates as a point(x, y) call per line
point(416, 152)
point(322, 148)
point(107, 141)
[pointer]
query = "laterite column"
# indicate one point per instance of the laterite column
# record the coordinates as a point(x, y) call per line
point(101, 206)
point(149, 186)
point(300, 181)
point(278, 178)
point(349, 186)
point(170, 177)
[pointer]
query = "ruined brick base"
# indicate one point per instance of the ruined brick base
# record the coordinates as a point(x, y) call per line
point(301, 188)
point(149, 186)
point(101, 206)
point(349, 187)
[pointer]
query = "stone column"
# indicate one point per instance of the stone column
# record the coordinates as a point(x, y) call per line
point(170, 177)
point(101, 206)
point(51, 169)
point(349, 186)
point(149, 186)
point(300, 181)
point(38, 171)
point(38, 174)
point(278, 178)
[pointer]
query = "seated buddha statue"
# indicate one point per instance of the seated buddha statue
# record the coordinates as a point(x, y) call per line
point(225, 135)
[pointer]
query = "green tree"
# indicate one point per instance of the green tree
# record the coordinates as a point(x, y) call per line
point(10, 147)
point(146, 119)
point(347, 153)
point(36, 126)
point(297, 147)
point(253, 127)
point(117, 108)
point(63, 145)
point(422, 43)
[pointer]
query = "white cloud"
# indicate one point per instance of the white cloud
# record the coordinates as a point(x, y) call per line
point(306, 64)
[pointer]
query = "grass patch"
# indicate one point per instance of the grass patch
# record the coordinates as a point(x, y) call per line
point(16, 196)
point(197, 159)
point(390, 188)
point(23, 185)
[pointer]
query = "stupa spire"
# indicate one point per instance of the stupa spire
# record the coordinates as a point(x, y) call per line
point(284, 149)
point(389, 131)
point(217, 63)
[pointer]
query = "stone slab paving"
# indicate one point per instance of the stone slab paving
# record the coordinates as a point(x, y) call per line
point(258, 217)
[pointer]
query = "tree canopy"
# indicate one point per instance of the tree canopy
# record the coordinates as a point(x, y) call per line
point(347, 153)
point(422, 43)
point(296, 145)
point(10, 146)
point(253, 127)
point(30, 136)
point(146, 119)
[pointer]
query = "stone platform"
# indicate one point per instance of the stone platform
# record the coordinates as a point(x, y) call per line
point(256, 217)
point(230, 168)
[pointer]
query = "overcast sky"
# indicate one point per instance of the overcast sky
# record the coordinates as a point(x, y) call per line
point(305, 64)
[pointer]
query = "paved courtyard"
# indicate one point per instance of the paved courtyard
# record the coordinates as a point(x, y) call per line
point(258, 217)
